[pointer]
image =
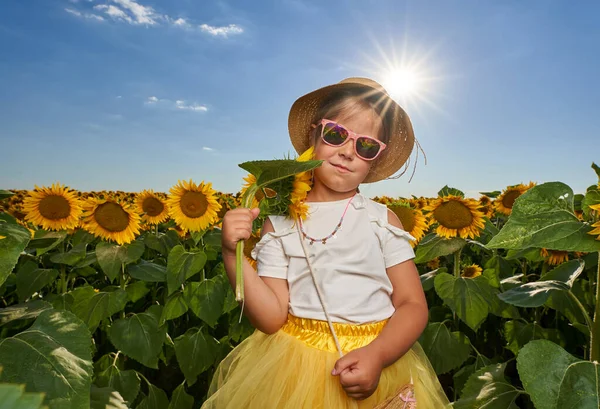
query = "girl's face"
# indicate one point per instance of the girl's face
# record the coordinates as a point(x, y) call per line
point(342, 170)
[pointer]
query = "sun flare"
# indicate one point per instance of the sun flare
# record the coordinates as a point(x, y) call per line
point(402, 82)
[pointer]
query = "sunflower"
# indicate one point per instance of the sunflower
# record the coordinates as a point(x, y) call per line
point(487, 206)
point(504, 203)
point(250, 180)
point(456, 216)
point(111, 220)
point(153, 208)
point(52, 208)
point(554, 257)
point(596, 231)
point(413, 220)
point(249, 245)
point(434, 264)
point(471, 271)
point(193, 207)
point(301, 186)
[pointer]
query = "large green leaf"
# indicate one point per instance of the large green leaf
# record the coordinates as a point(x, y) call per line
point(592, 197)
point(133, 251)
point(446, 350)
point(71, 257)
point(24, 311)
point(543, 217)
point(488, 388)
point(542, 365)
point(428, 279)
point(111, 257)
point(5, 194)
point(580, 387)
point(13, 396)
point(269, 171)
point(196, 351)
point(156, 399)
point(92, 307)
point(127, 383)
point(16, 238)
point(518, 334)
point(433, 246)
point(140, 336)
point(180, 399)
point(52, 356)
point(175, 308)
point(206, 299)
point(44, 240)
point(31, 279)
point(182, 265)
point(136, 290)
point(106, 398)
point(150, 272)
point(446, 191)
point(461, 376)
point(468, 297)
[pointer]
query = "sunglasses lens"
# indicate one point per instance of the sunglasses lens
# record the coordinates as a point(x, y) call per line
point(367, 148)
point(334, 135)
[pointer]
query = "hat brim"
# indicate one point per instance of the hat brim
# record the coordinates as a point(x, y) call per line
point(401, 135)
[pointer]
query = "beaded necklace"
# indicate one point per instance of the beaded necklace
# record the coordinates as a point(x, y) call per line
point(332, 234)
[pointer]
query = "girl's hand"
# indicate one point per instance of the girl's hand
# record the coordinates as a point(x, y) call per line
point(359, 372)
point(237, 225)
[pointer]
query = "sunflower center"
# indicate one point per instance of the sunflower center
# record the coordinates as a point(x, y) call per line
point(453, 215)
point(152, 206)
point(406, 216)
point(470, 272)
point(194, 204)
point(249, 245)
point(111, 216)
point(54, 207)
point(509, 198)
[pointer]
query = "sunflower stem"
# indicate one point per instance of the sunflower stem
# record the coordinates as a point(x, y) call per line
point(239, 248)
point(457, 263)
point(122, 285)
point(595, 328)
point(63, 279)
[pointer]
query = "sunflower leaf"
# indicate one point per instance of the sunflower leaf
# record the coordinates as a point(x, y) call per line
point(24, 311)
point(111, 258)
point(106, 398)
point(182, 265)
point(30, 279)
point(92, 307)
point(13, 396)
point(518, 334)
point(127, 383)
point(206, 299)
point(489, 388)
point(146, 271)
point(15, 240)
point(53, 356)
point(433, 246)
point(175, 308)
point(196, 351)
point(446, 350)
point(269, 171)
point(597, 170)
point(44, 241)
point(543, 217)
point(71, 257)
point(591, 198)
point(180, 399)
point(447, 191)
point(5, 194)
point(156, 399)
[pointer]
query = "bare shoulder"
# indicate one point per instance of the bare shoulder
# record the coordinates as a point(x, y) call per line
point(394, 220)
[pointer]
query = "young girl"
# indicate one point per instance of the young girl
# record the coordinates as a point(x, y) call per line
point(362, 264)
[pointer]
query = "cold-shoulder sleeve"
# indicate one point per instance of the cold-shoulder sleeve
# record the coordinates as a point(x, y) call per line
point(271, 260)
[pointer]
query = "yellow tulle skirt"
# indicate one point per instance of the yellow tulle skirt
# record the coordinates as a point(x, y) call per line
point(291, 369)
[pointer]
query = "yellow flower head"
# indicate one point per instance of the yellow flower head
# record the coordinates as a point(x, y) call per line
point(111, 220)
point(554, 257)
point(413, 220)
point(456, 216)
point(471, 271)
point(153, 208)
point(193, 206)
point(52, 208)
point(504, 203)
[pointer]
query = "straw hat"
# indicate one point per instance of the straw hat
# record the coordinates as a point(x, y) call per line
point(398, 125)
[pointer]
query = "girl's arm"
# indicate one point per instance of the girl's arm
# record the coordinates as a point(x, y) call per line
point(410, 318)
point(266, 298)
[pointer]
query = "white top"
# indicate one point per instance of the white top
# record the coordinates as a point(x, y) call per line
point(350, 269)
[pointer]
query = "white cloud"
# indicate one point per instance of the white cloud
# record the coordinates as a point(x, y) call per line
point(114, 12)
point(141, 14)
point(178, 104)
point(223, 31)
point(206, 148)
point(118, 97)
point(84, 15)
point(190, 107)
point(151, 100)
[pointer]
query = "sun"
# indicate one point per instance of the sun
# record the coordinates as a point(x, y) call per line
point(402, 82)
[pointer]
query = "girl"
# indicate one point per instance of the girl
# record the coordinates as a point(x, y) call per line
point(365, 300)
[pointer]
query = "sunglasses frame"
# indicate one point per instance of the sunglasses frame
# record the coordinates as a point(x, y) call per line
point(351, 136)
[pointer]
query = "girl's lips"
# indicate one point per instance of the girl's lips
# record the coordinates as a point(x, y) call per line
point(341, 168)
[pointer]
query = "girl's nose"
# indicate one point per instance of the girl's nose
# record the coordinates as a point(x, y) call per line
point(347, 149)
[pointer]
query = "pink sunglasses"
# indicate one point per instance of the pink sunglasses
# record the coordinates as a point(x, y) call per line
point(334, 134)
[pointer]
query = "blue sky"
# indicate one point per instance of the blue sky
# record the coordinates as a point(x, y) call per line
point(136, 94)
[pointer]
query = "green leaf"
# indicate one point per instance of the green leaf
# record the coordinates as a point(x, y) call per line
point(206, 299)
point(82, 236)
point(13, 396)
point(5, 194)
point(269, 171)
point(237, 330)
point(133, 251)
point(106, 398)
point(16, 238)
point(446, 350)
point(175, 308)
point(467, 297)
point(518, 334)
point(500, 265)
point(154, 242)
point(580, 386)
point(52, 356)
point(127, 383)
point(149, 272)
point(597, 170)
point(31, 279)
point(25, 311)
point(44, 241)
point(542, 365)
point(139, 336)
point(433, 246)
point(492, 194)
point(156, 399)
point(213, 238)
point(136, 291)
point(111, 258)
point(180, 399)
point(182, 265)
point(89, 259)
point(427, 279)
point(463, 374)
point(488, 388)
point(592, 197)
point(447, 191)
point(543, 217)
point(92, 307)
point(196, 351)
point(71, 257)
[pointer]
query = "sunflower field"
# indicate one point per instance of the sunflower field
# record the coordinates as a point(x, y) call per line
point(121, 300)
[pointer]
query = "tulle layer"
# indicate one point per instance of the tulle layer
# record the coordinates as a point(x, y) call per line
point(291, 369)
